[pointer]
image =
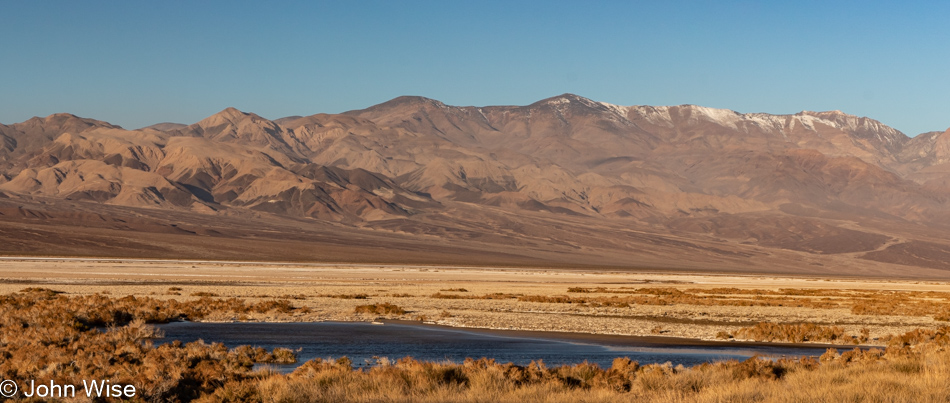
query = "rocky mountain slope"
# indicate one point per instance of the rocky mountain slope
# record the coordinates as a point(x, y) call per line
point(566, 179)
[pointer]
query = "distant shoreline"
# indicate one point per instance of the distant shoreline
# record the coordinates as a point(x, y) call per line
point(619, 340)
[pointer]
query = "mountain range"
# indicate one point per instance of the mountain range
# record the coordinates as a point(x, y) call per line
point(565, 181)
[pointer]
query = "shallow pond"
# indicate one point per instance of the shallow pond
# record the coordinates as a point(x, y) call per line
point(362, 341)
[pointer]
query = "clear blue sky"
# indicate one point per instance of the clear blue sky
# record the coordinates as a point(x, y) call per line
point(136, 63)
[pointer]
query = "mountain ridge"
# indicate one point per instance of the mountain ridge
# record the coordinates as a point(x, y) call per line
point(829, 186)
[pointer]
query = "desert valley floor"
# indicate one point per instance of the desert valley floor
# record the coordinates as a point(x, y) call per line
point(684, 305)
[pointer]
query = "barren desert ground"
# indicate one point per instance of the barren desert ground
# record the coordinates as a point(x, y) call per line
point(698, 306)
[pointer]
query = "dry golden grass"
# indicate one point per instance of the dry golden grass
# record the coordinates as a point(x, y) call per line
point(940, 336)
point(798, 333)
point(860, 302)
point(710, 304)
point(50, 336)
point(896, 375)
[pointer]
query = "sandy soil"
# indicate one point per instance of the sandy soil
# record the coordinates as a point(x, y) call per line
point(324, 289)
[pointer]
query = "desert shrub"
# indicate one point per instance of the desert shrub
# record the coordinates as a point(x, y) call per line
point(939, 337)
point(498, 295)
point(67, 339)
point(757, 367)
point(40, 292)
point(278, 355)
point(861, 302)
point(795, 333)
point(440, 295)
point(279, 306)
point(383, 308)
point(351, 296)
point(553, 299)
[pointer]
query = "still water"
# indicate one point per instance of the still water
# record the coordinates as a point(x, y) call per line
point(362, 341)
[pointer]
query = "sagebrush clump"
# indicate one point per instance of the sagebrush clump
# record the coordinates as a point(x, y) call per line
point(45, 335)
point(383, 308)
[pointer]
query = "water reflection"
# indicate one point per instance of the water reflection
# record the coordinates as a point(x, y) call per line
point(361, 342)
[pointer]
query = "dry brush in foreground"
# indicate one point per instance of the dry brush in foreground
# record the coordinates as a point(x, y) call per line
point(896, 374)
point(48, 336)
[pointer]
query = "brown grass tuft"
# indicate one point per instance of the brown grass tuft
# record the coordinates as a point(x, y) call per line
point(797, 333)
point(383, 308)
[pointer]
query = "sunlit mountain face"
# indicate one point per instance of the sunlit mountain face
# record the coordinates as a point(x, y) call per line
point(563, 181)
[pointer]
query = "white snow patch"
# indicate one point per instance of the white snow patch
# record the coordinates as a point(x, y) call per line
point(661, 116)
point(480, 112)
point(619, 110)
point(808, 121)
point(766, 122)
point(658, 115)
point(724, 117)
